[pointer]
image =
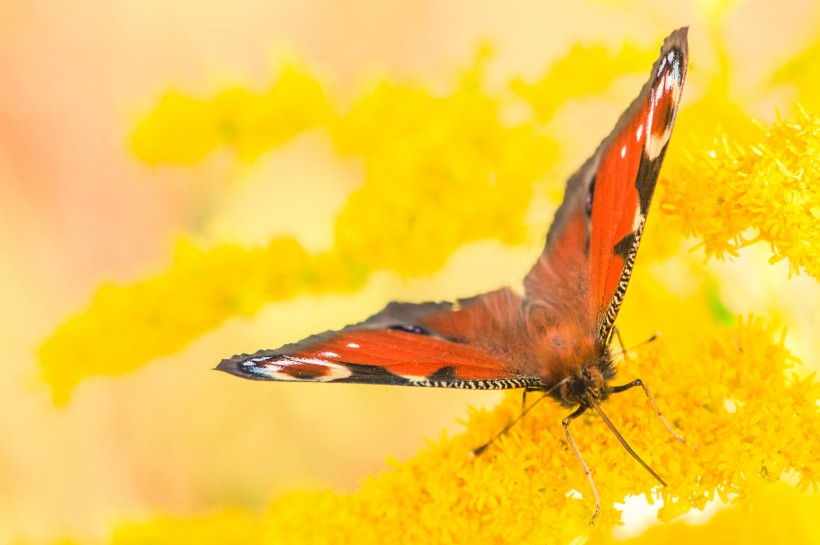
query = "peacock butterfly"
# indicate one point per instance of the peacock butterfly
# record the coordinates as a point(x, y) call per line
point(555, 338)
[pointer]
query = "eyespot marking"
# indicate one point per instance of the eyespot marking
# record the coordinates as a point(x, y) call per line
point(410, 328)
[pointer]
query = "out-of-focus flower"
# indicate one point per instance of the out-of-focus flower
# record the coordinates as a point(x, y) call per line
point(126, 326)
point(748, 415)
point(444, 169)
point(183, 129)
point(778, 514)
point(801, 73)
point(569, 78)
point(230, 527)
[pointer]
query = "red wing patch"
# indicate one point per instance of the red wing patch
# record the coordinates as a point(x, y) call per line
point(380, 356)
point(625, 180)
point(590, 250)
point(475, 343)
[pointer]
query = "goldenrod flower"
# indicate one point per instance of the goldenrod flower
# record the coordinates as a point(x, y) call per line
point(778, 514)
point(229, 527)
point(441, 169)
point(731, 195)
point(184, 129)
point(748, 418)
point(569, 79)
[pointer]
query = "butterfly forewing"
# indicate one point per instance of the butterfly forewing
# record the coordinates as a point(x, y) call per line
point(626, 177)
point(606, 202)
point(463, 345)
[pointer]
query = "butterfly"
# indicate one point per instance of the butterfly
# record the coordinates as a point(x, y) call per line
point(555, 336)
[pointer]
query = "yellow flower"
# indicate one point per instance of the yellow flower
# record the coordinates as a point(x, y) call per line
point(446, 186)
point(747, 423)
point(778, 514)
point(569, 78)
point(184, 130)
point(127, 326)
point(749, 420)
point(724, 190)
point(228, 527)
point(444, 169)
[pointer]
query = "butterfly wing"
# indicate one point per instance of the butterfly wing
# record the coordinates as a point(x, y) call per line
point(494, 340)
point(468, 344)
point(590, 250)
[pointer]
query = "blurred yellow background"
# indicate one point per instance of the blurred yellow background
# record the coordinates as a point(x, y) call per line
point(77, 209)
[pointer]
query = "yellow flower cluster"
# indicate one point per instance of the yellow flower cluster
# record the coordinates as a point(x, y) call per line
point(228, 527)
point(778, 515)
point(127, 326)
point(731, 195)
point(184, 129)
point(440, 170)
point(437, 168)
point(746, 422)
point(749, 418)
point(569, 78)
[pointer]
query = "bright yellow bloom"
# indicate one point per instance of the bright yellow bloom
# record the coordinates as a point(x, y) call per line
point(441, 169)
point(747, 420)
point(230, 527)
point(777, 515)
point(731, 195)
point(749, 416)
point(127, 326)
point(184, 130)
point(436, 169)
point(569, 78)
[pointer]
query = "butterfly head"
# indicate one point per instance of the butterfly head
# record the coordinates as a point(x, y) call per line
point(590, 383)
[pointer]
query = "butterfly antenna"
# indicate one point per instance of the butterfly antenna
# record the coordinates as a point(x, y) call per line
point(594, 404)
point(513, 422)
point(625, 351)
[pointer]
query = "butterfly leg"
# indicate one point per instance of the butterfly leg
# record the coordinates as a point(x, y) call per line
point(639, 382)
point(477, 451)
point(578, 412)
point(524, 396)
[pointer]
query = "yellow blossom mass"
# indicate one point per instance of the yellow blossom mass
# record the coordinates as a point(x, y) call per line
point(731, 195)
point(748, 413)
point(441, 169)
